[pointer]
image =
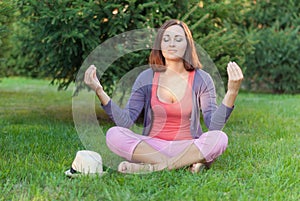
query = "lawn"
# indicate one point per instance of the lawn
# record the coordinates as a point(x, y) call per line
point(38, 142)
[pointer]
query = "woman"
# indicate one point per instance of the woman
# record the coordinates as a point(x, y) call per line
point(171, 94)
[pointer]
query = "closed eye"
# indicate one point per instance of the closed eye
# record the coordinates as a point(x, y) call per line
point(178, 38)
point(166, 38)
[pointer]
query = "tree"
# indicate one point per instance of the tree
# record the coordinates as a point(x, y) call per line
point(62, 33)
point(7, 10)
point(57, 36)
point(275, 65)
point(217, 28)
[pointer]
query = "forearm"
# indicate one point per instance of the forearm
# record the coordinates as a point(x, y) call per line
point(229, 98)
point(102, 96)
point(235, 77)
point(122, 117)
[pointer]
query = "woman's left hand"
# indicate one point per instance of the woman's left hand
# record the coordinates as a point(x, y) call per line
point(235, 77)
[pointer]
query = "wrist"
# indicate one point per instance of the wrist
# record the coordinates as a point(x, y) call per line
point(229, 98)
point(99, 90)
point(232, 92)
point(103, 97)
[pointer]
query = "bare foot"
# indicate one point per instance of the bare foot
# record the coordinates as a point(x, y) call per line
point(135, 168)
point(197, 167)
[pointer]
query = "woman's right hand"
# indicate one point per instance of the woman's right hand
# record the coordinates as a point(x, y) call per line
point(90, 79)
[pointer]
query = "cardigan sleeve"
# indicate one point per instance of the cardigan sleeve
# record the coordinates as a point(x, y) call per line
point(214, 116)
point(127, 116)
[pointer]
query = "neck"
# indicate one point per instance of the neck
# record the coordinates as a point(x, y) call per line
point(175, 66)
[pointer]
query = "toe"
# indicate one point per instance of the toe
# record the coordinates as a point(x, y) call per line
point(122, 167)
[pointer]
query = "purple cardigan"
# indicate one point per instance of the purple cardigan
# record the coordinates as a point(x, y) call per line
point(204, 98)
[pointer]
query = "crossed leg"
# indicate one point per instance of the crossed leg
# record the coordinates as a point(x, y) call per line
point(151, 160)
point(145, 158)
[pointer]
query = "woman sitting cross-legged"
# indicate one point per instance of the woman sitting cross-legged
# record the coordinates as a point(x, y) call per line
point(171, 93)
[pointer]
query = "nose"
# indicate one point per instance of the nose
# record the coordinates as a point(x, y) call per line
point(172, 43)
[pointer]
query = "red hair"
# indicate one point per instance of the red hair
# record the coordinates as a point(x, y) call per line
point(190, 58)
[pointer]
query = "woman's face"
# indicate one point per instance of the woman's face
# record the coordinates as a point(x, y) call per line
point(173, 43)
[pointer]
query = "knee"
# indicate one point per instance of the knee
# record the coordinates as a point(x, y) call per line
point(112, 135)
point(223, 139)
point(213, 145)
point(219, 140)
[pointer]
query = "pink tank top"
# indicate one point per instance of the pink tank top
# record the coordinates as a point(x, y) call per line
point(171, 121)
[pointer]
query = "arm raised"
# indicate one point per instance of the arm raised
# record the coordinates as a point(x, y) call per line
point(235, 78)
point(90, 79)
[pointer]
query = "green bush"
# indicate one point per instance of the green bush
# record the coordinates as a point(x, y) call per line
point(58, 35)
point(55, 37)
point(7, 11)
point(266, 13)
point(217, 27)
point(275, 65)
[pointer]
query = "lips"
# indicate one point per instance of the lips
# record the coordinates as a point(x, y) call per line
point(172, 51)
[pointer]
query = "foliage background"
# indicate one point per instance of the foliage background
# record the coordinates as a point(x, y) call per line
point(52, 38)
point(275, 63)
point(6, 20)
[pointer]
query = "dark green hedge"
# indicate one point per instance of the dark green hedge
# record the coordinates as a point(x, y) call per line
point(52, 38)
point(7, 12)
point(275, 64)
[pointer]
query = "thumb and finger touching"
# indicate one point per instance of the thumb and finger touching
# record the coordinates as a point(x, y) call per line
point(235, 76)
point(90, 77)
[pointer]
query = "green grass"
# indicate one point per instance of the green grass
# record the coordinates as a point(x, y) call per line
point(38, 142)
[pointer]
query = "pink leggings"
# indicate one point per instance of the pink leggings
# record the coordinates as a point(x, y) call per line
point(123, 141)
